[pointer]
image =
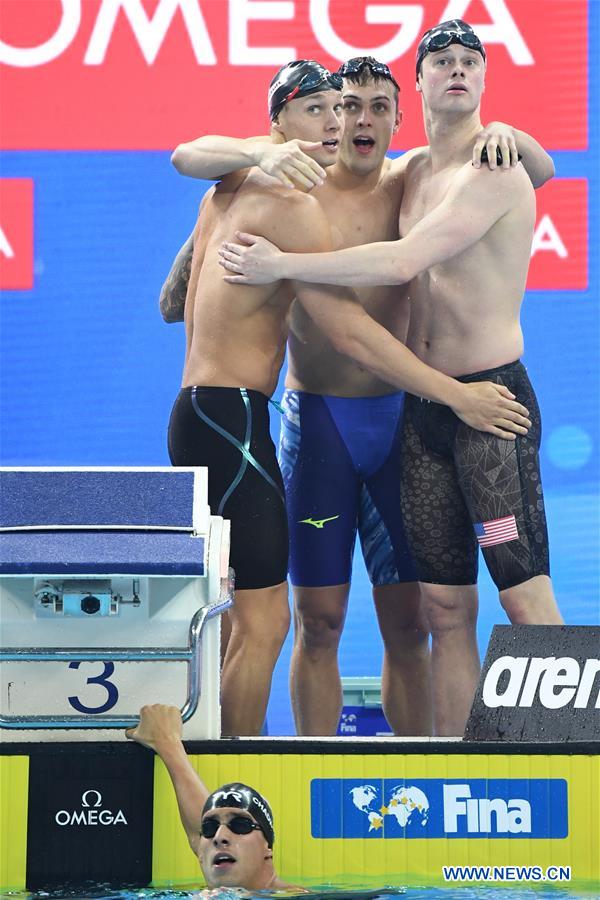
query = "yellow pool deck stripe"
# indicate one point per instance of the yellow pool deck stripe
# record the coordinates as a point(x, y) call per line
point(285, 780)
point(14, 783)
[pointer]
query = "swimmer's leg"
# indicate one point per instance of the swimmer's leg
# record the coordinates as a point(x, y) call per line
point(532, 603)
point(406, 672)
point(502, 480)
point(444, 549)
point(225, 634)
point(227, 430)
point(260, 621)
point(451, 612)
point(322, 492)
point(315, 684)
point(406, 669)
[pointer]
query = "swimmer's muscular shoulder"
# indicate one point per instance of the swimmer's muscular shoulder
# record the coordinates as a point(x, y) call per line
point(398, 171)
point(411, 160)
point(294, 221)
point(305, 228)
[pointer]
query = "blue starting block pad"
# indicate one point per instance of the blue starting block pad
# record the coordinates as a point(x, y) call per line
point(102, 569)
point(103, 521)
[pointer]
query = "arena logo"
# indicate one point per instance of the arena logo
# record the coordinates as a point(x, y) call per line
point(150, 30)
point(554, 682)
point(91, 812)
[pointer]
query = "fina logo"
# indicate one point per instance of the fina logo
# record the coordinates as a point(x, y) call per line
point(348, 723)
point(512, 816)
point(409, 805)
point(435, 808)
point(91, 813)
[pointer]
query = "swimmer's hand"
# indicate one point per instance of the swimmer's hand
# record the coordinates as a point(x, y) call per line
point(159, 726)
point(290, 163)
point(496, 145)
point(253, 260)
point(492, 408)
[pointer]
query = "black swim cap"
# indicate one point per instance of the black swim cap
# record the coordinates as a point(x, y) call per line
point(297, 79)
point(240, 796)
point(454, 31)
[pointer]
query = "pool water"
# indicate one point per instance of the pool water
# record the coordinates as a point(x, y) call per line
point(318, 892)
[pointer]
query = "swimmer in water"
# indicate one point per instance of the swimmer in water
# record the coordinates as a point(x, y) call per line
point(465, 243)
point(231, 830)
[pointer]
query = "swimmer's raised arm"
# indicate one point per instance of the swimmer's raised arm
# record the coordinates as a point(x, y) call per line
point(474, 203)
point(214, 156)
point(160, 729)
point(174, 289)
point(498, 138)
point(513, 144)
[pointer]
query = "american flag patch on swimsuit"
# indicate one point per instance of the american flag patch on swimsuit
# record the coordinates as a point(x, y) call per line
point(496, 531)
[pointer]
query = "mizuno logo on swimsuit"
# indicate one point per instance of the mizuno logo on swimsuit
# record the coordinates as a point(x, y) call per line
point(318, 523)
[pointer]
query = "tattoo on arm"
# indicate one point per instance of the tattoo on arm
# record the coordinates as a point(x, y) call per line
point(172, 295)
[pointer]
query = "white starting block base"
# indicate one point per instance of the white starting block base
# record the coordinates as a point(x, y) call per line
point(145, 611)
point(162, 619)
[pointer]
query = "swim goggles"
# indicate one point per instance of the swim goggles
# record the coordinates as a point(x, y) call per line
point(311, 81)
point(439, 40)
point(237, 824)
point(355, 65)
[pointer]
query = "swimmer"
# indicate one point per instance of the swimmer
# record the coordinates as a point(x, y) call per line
point(231, 830)
point(466, 235)
point(361, 197)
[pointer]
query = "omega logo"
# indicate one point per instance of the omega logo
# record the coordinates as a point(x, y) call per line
point(91, 812)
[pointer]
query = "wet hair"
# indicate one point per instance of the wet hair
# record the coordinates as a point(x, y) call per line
point(363, 70)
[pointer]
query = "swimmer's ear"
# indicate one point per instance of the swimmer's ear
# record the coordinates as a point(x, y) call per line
point(398, 121)
point(277, 127)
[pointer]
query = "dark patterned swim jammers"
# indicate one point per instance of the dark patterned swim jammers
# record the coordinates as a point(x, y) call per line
point(227, 430)
point(463, 488)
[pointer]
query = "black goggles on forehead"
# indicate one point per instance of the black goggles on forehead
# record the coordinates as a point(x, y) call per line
point(379, 69)
point(311, 81)
point(442, 39)
point(237, 824)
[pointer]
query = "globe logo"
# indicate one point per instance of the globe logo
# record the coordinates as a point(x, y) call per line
point(408, 805)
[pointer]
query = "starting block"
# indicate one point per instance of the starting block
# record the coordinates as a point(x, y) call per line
point(112, 582)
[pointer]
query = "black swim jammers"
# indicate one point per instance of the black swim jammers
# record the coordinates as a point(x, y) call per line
point(463, 488)
point(227, 430)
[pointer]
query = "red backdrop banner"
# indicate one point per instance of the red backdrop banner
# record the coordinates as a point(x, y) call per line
point(147, 74)
point(560, 247)
point(16, 234)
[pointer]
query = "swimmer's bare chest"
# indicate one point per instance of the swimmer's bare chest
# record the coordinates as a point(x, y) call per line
point(465, 311)
point(236, 335)
point(356, 217)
